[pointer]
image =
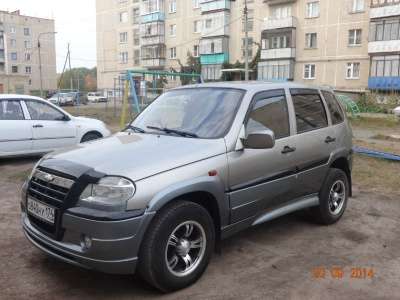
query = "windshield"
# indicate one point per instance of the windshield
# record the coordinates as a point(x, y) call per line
point(201, 112)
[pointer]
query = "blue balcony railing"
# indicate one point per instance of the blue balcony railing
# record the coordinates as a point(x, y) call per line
point(153, 17)
point(214, 59)
point(384, 83)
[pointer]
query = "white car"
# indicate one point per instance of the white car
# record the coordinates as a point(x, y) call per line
point(62, 99)
point(31, 125)
point(96, 97)
point(396, 111)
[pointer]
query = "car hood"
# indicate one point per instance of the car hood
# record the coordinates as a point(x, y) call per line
point(138, 156)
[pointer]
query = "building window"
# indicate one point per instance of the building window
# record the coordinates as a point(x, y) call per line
point(123, 17)
point(136, 57)
point(385, 66)
point(384, 30)
point(172, 30)
point(309, 71)
point(250, 21)
point(311, 40)
point(196, 50)
point(357, 6)
point(13, 30)
point(27, 44)
point(274, 70)
point(312, 9)
point(135, 15)
point(14, 56)
point(172, 6)
point(208, 24)
point(197, 26)
point(353, 70)
point(250, 39)
point(354, 37)
point(136, 37)
point(280, 12)
point(196, 4)
point(28, 70)
point(27, 31)
point(123, 37)
point(27, 56)
point(14, 69)
point(172, 53)
point(123, 57)
point(13, 43)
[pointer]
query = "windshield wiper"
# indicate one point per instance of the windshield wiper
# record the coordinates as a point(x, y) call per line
point(175, 131)
point(137, 129)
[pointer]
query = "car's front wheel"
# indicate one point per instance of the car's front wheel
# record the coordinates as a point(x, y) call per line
point(177, 247)
point(90, 136)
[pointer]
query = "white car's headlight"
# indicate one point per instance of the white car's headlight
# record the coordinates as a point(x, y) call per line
point(109, 194)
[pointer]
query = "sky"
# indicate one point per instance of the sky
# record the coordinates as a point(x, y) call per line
point(75, 22)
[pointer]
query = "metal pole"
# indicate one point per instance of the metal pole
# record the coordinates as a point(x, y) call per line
point(246, 42)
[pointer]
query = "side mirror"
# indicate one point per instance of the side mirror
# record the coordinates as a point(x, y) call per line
point(264, 139)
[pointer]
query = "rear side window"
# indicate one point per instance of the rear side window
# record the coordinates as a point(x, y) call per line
point(269, 111)
point(11, 110)
point(334, 107)
point(309, 109)
point(42, 111)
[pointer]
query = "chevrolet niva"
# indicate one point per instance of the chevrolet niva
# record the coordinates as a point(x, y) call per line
point(198, 165)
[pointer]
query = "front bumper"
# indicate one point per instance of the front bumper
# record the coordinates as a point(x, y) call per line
point(115, 244)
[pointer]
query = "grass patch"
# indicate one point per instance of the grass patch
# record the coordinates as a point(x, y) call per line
point(382, 137)
point(19, 176)
point(379, 146)
point(377, 175)
point(388, 122)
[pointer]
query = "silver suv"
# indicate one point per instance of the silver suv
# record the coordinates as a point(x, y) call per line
point(200, 164)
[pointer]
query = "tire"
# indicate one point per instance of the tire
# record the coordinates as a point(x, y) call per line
point(333, 198)
point(90, 136)
point(163, 260)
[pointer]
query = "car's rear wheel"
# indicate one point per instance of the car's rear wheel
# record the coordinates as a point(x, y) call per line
point(90, 136)
point(333, 198)
point(177, 247)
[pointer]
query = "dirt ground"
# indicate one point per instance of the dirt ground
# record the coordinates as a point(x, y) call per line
point(289, 258)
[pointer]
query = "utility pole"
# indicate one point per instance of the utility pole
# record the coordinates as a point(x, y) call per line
point(70, 70)
point(246, 42)
point(40, 60)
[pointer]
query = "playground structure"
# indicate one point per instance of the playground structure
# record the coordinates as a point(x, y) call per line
point(141, 87)
point(349, 104)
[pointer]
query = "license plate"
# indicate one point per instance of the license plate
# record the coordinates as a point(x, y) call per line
point(41, 211)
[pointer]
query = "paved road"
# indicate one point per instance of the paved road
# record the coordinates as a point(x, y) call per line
point(278, 260)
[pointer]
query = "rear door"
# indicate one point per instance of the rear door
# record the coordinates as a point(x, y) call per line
point(15, 130)
point(51, 128)
point(313, 140)
point(262, 179)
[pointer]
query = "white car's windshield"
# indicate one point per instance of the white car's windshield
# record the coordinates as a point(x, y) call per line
point(200, 112)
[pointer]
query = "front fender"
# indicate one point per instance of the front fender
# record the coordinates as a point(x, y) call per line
point(208, 184)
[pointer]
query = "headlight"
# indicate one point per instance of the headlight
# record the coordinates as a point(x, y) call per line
point(109, 194)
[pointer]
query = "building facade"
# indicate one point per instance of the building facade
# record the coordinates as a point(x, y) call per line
point(19, 55)
point(345, 44)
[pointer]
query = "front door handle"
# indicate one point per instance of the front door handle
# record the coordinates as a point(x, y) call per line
point(329, 139)
point(288, 149)
point(37, 126)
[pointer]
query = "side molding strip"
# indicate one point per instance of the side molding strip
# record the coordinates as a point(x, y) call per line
point(298, 205)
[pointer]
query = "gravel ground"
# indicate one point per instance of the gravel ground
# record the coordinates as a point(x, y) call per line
point(276, 260)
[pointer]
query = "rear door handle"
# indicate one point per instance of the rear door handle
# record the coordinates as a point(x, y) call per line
point(37, 126)
point(288, 149)
point(329, 139)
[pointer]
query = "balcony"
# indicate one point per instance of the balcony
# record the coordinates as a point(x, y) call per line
point(152, 17)
point(155, 63)
point(214, 59)
point(216, 24)
point(274, 2)
point(384, 8)
point(383, 46)
point(214, 5)
point(281, 53)
point(152, 40)
point(390, 83)
point(272, 23)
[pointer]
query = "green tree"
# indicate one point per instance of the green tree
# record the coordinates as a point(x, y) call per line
point(87, 79)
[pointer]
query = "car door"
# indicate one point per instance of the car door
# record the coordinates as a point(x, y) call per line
point(52, 129)
point(262, 179)
point(15, 130)
point(313, 140)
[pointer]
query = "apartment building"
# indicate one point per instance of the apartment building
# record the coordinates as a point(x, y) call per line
point(19, 56)
point(346, 44)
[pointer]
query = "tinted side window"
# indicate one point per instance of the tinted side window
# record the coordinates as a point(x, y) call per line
point(309, 109)
point(334, 107)
point(11, 110)
point(42, 111)
point(269, 111)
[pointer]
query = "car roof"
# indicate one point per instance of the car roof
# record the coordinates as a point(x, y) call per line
point(253, 86)
point(19, 97)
